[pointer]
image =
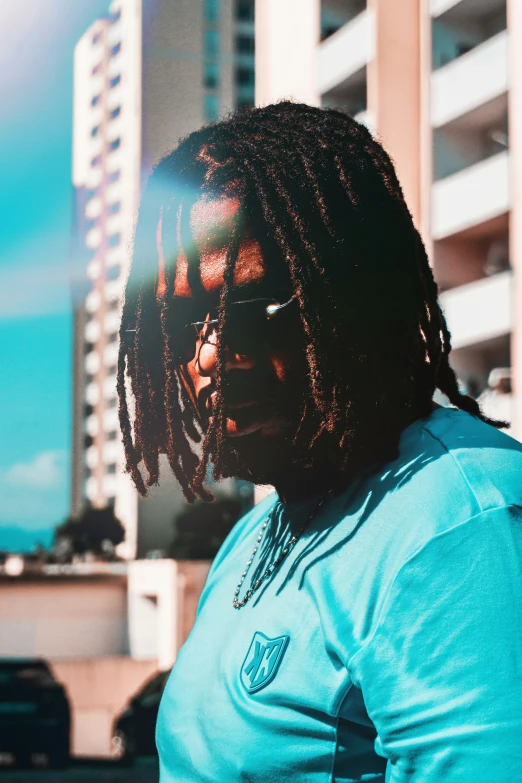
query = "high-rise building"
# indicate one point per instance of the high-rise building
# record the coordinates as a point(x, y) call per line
point(145, 75)
point(440, 84)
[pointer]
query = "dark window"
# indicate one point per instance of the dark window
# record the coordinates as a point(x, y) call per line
point(114, 144)
point(113, 18)
point(114, 81)
point(91, 193)
point(111, 435)
point(88, 347)
point(91, 223)
point(111, 468)
point(211, 76)
point(211, 11)
point(95, 101)
point(114, 208)
point(111, 370)
point(211, 107)
point(114, 240)
point(245, 103)
point(96, 38)
point(96, 69)
point(111, 338)
point(113, 176)
point(211, 43)
point(245, 10)
point(245, 77)
point(113, 272)
point(115, 113)
point(114, 50)
point(96, 160)
point(113, 304)
point(112, 402)
point(88, 440)
point(95, 130)
point(88, 409)
point(245, 44)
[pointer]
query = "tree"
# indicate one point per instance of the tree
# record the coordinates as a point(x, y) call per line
point(96, 530)
point(202, 527)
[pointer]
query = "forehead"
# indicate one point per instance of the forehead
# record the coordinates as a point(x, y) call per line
point(212, 223)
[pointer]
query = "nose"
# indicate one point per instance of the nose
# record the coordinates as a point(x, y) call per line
point(207, 358)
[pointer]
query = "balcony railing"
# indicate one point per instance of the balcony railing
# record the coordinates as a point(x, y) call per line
point(479, 311)
point(471, 197)
point(470, 81)
point(347, 51)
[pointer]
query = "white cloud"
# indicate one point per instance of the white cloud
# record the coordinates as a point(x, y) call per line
point(44, 471)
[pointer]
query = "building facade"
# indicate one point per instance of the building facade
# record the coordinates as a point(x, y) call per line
point(439, 83)
point(144, 76)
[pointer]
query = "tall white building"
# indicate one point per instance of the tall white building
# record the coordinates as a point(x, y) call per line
point(440, 84)
point(144, 76)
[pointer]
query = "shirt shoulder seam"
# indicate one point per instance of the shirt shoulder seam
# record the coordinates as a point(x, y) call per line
point(385, 605)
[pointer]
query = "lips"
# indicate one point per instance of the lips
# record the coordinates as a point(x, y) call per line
point(243, 417)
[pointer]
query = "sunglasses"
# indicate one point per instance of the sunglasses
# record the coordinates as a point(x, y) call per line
point(252, 325)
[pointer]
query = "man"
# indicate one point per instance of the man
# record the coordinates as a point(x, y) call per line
point(364, 623)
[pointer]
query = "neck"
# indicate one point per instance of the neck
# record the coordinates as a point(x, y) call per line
point(300, 484)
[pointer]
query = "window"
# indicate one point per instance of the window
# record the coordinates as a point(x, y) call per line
point(245, 77)
point(112, 338)
point(115, 113)
point(88, 347)
point(114, 208)
point(112, 402)
point(96, 38)
point(113, 176)
point(115, 17)
point(91, 223)
point(211, 11)
point(211, 107)
point(113, 304)
point(92, 193)
point(111, 435)
point(114, 240)
point(88, 409)
point(114, 50)
point(96, 69)
point(113, 272)
point(95, 130)
point(114, 144)
point(111, 370)
point(211, 43)
point(88, 440)
point(114, 81)
point(111, 468)
point(95, 101)
point(96, 161)
point(211, 76)
point(245, 10)
point(245, 44)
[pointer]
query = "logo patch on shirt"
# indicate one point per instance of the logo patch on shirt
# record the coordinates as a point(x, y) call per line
point(262, 660)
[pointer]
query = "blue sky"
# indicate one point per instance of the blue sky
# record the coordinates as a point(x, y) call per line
point(35, 217)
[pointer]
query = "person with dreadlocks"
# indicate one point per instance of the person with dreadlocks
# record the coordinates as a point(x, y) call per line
point(364, 622)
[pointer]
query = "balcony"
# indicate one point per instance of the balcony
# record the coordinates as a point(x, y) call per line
point(471, 81)
point(475, 195)
point(347, 52)
point(479, 311)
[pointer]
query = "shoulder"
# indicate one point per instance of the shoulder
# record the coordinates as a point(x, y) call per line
point(484, 460)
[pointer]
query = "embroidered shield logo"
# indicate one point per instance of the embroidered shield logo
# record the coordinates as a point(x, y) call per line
point(262, 660)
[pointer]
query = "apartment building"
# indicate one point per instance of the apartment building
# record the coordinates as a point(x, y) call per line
point(439, 83)
point(145, 75)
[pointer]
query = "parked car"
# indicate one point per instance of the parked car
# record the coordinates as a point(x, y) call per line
point(34, 712)
point(134, 729)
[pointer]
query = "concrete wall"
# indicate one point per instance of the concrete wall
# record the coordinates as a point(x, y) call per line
point(98, 691)
point(63, 619)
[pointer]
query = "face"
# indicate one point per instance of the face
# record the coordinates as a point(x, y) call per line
point(265, 371)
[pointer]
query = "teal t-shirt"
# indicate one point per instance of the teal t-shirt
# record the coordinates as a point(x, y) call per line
point(387, 646)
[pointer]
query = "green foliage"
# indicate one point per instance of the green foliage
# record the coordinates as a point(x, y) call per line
point(202, 527)
point(96, 530)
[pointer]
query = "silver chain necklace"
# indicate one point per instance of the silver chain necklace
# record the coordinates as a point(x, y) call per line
point(237, 604)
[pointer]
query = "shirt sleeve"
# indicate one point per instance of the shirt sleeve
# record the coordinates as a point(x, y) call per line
point(441, 676)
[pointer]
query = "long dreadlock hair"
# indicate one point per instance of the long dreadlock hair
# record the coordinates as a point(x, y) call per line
point(325, 196)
